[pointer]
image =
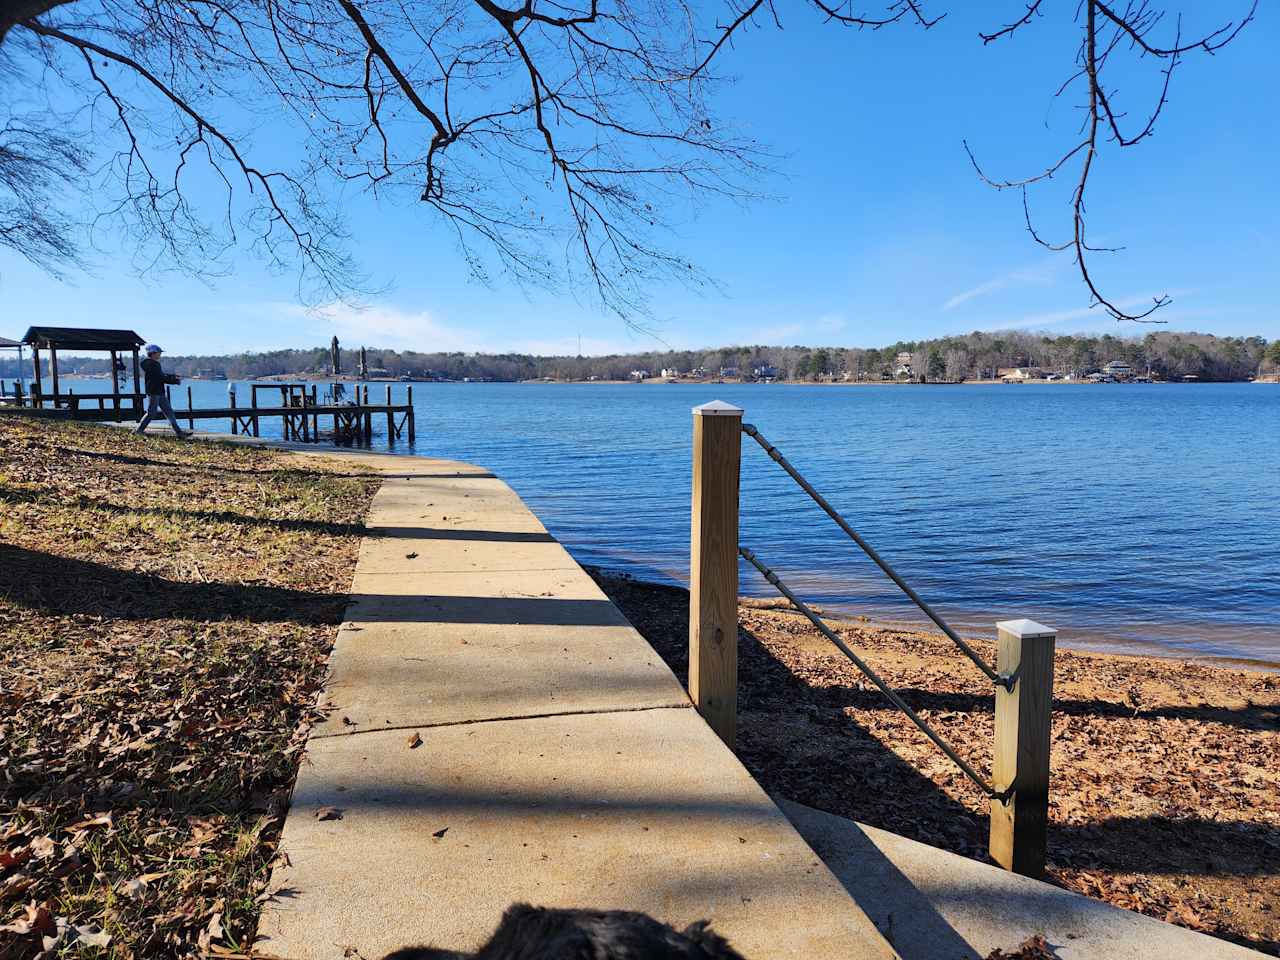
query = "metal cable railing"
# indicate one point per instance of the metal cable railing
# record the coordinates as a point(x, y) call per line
point(820, 500)
point(1002, 796)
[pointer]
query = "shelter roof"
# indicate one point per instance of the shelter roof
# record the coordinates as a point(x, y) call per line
point(82, 338)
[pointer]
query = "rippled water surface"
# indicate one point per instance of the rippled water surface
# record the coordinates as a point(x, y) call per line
point(1130, 517)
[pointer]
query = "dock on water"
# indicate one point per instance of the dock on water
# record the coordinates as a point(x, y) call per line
point(305, 415)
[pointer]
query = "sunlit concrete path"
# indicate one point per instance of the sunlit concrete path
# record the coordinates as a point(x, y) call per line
point(936, 905)
point(500, 733)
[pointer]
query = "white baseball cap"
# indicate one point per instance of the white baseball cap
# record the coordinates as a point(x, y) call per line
point(152, 348)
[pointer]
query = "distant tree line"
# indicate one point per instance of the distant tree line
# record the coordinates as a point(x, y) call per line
point(970, 356)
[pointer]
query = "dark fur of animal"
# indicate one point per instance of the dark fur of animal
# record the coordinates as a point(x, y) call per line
point(538, 933)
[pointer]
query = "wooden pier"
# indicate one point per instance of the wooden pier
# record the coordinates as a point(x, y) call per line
point(304, 417)
point(299, 406)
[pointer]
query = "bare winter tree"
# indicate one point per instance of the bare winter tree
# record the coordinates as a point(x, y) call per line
point(1109, 31)
point(558, 140)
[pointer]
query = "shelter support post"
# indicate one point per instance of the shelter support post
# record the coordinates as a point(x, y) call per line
point(115, 383)
point(137, 387)
point(37, 389)
point(53, 373)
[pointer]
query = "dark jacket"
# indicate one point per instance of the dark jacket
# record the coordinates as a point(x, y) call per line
point(156, 378)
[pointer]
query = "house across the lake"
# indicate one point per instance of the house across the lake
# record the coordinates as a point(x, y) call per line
point(1118, 369)
point(1017, 374)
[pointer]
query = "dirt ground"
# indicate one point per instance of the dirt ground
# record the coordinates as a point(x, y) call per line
point(166, 614)
point(1165, 789)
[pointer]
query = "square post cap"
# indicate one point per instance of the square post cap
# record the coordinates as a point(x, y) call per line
point(1026, 629)
point(717, 408)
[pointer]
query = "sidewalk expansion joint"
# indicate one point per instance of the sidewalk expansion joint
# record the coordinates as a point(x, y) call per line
point(542, 715)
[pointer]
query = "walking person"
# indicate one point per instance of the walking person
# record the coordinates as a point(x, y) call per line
point(157, 399)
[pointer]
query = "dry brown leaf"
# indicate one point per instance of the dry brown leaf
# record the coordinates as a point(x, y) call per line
point(104, 819)
point(329, 813)
point(14, 858)
point(88, 937)
point(415, 741)
point(37, 919)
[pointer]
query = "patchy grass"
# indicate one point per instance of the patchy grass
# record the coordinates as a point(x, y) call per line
point(166, 612)
point(1165, 780)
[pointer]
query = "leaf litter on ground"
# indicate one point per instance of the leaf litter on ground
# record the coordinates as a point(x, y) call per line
point(166, 612)
point(1165, 779)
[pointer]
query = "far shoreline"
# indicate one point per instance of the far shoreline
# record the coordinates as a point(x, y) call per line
point(658, 381)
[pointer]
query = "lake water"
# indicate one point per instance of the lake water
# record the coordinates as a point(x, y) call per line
point(1136, 518)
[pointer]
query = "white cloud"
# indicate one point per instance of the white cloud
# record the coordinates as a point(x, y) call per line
point(383, 325)
point(776, 335)
point(388, 326)
point(1039, 274)
point(795, 332)
point(569, 346)
point(1096, 314)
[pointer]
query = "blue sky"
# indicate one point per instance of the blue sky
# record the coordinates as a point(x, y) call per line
point(878, 228)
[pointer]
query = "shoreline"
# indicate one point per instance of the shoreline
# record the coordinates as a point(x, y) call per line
point(661, 382)
point(1075, 640)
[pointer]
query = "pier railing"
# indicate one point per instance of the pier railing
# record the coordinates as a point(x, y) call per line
point(1022, 678)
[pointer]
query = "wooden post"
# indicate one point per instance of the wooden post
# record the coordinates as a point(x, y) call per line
point(713, 566)
point(137, 386)
point(412, 434)
point(1023, 717)
point(368, 418)
point(391, 420)
point(115, 383)
point(231, 399)
point(315, 417)
point(191, 421)
point(53, 372)
point(37, 390)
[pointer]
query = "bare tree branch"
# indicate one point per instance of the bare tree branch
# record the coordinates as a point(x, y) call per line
point(1105, 29)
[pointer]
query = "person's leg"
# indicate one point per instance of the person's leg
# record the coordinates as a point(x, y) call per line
point(167, 407)
point(149, 416)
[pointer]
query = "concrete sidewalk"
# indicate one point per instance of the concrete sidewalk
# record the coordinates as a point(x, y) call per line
point(560, 761)
point(935, 905)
